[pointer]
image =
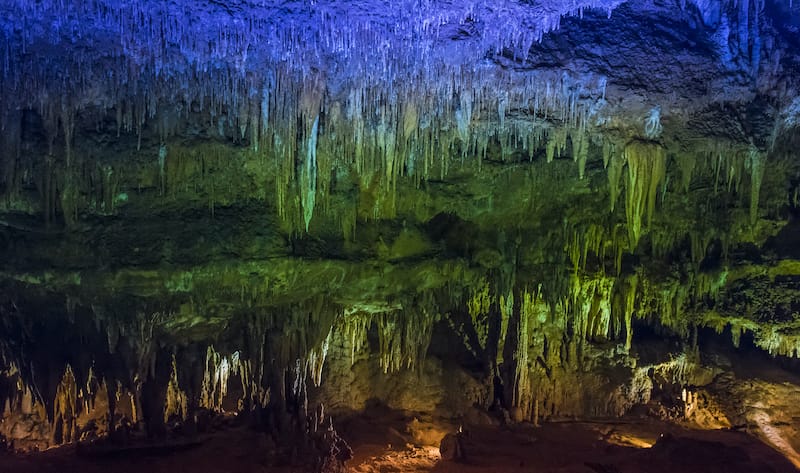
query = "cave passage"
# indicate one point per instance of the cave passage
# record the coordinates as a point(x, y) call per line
point(399, 235)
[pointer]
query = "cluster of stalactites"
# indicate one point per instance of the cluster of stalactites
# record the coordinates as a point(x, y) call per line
point(647, 167)
point(732, 167)
point(639, 169)
point(20, 396)
point(316, 359)
point(556, 145)
point(311, 365)
point(668, 303)
point(301, 109)
point(594, 310)
point(403, 335)
point(554, 338)
point(679, 371)
point(478, 306)
point(778, 342)
point(162, 43)
point(637, 172)
point(316, 125)
point(731, 163)
point(542, 358)
point(216, 378)
point(594, 240)
point(776, 339)
point(379, 134)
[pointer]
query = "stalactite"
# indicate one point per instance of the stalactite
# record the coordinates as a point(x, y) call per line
point(506, 312)
point(777, 343)
point(755, 163)
point(162, 159)
point(698, 244)
point(585, 241)
point(478, 307)
point(68, 128)
point(556, 143)
point(580, 151)
point(594, 306)
point(355, 324)
point(308, 176)
point(316, 360)
point(686, 163)
point(615, 163)
point(144, 334)
point(463, 117)
point(646, 170)
point(629, 292)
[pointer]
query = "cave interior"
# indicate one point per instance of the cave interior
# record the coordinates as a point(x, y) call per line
point(399, 235)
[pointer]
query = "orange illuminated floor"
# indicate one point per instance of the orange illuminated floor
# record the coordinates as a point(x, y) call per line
point(569, 447)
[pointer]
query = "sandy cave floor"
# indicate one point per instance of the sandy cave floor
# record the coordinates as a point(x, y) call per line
point(601, 447)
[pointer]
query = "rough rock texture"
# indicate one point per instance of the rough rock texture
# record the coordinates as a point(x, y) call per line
point(483, 212)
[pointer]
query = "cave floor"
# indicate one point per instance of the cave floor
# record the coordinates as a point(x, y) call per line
point(619, 446)
point(601, 447)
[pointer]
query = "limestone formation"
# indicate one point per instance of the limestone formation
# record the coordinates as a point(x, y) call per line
point(280, 215)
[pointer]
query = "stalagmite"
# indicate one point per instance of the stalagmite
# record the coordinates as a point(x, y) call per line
point(176, 402)
point(215, 380)
point(65, 410)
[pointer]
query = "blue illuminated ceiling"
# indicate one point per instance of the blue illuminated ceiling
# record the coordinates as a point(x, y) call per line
point(448, 59)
